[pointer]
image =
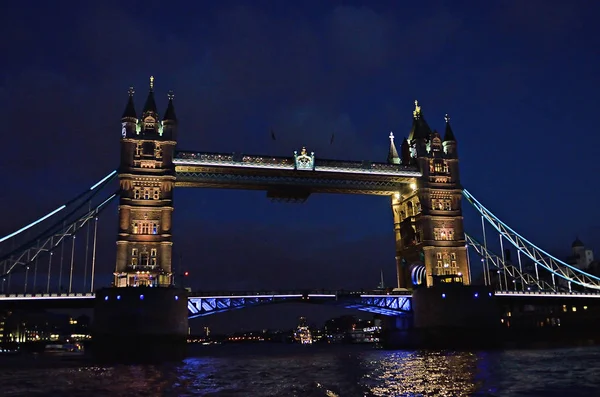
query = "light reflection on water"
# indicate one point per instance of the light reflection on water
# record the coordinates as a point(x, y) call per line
point(276, 370)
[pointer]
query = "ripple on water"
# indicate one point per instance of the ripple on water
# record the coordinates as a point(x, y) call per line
point(332, 372)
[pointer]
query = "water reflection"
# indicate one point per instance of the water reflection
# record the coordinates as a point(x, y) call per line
point(423, 373)
point(333, 372)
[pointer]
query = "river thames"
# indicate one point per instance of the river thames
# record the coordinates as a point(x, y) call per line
point(282, 371)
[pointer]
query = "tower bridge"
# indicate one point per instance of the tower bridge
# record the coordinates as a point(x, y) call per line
point(422, 181)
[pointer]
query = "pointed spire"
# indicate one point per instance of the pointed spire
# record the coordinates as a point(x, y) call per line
point(420, 129)
point(170, 112)
point(393, 157)
point(150, 105)
point(130, 108)
point(405, 151)
point(448, 135)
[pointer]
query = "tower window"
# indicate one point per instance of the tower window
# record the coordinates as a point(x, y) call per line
point(447, 205)
point(136, 194)
point(443, 234)
point(158, 151)
point(135, 229)
point(439, 255)
point(138, 149)
point(453, 256)
point(153, 262)
point(134, 252)
point(441, 167)
point(156, 194)
point(146, 194)
point(153, 252)
point(145, 227)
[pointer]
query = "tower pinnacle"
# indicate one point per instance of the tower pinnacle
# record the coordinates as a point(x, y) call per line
point(393, 157)
point(150, 105)
point(417, 111)
point(170, 112)
point(129, 112)
point(448, 134)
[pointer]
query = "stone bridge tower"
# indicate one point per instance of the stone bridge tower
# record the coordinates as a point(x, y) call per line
point(428, 221)
point(147, 178)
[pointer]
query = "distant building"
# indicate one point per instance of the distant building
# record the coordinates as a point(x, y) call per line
point(583, 258)
point(580, 257)
point(302, 334)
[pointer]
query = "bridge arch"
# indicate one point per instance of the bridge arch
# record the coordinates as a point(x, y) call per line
point(418, 275)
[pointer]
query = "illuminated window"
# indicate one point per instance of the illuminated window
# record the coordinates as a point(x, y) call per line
point(158, 151)
point(447, 205)
point(439, 264)
point(138, 149)
point(153, 252)
point(134, 252)
point(153, 262)
point(134, 261)
point(146, 194)
point(439, 255)
point(453, 264)
point(156, 194)
point(443, 234)
point(136, 193)
point(145, 228)
point(440, 167)
point(453, 256)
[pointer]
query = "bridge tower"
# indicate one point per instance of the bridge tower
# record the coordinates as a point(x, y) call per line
point(147, 178)
point(428, 221)
point(134, 319)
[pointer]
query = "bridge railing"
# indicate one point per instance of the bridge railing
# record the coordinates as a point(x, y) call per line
point(313, 292)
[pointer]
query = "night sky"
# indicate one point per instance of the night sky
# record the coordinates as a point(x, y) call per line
point(518, 78)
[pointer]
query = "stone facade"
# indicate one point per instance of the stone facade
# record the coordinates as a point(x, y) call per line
point(147, 179)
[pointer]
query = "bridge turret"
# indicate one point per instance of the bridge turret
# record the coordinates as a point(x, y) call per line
point(449, 140)
point(419, 133)
point(169, 121)
point(405, 150)
point(393, 157)
point(129, 119)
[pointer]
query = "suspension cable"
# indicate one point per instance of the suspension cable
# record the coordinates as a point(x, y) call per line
point(563, 270)
point(51, 229)
point(60, 240)
point(62, 207)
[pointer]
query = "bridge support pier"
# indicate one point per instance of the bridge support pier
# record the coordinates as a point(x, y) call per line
point(140, 323)
point(456, 316)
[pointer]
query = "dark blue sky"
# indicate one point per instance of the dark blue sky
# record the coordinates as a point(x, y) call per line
point(519, 79)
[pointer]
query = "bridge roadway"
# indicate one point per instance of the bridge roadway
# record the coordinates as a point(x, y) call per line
point(204, 303)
